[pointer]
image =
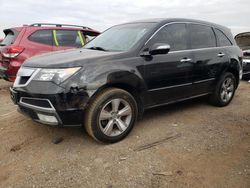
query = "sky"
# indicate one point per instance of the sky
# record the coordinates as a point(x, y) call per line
point(101, 15)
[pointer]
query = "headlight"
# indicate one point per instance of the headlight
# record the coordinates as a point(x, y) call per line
point(55, 75)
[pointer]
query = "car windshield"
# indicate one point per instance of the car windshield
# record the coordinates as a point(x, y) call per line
point(120, 38)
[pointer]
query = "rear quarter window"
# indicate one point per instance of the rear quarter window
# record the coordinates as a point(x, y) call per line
point(222, 38)
point(201, 36)
point(42, 37)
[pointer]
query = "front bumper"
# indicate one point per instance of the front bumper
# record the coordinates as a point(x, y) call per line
point(54, 109)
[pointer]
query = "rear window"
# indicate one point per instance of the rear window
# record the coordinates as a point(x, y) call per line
point(42, 36)
point(10, 36)
point(222, 39)
point(201, 36)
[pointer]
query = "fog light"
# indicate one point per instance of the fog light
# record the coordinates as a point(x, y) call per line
point(47, 118)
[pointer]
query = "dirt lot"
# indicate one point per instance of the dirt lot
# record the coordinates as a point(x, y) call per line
point(210, 148)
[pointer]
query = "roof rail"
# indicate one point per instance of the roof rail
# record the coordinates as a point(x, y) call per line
point(58, 25)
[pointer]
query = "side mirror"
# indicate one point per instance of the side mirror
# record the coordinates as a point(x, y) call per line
point(159, 48)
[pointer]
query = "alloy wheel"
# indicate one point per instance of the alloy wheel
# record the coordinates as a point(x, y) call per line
point(227, 89)
point(115, 117)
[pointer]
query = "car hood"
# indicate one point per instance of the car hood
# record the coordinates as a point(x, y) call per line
point(71, 58)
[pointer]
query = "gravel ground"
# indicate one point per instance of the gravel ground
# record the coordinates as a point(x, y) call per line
point(209, 147)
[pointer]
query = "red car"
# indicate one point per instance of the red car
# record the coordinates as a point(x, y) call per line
point(21, 43)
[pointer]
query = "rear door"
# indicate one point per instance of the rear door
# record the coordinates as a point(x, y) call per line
point(208, 58)
point(168, 76)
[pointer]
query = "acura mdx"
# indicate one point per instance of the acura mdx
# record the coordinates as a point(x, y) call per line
point(112, 80)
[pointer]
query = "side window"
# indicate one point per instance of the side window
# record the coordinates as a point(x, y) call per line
point(222, 39)
point(174, 34)
point(88, 38)
point(201, 36)
point(89, 35)
point(42, 36)
point(69, 38)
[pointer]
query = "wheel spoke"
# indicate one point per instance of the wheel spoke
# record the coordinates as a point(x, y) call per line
point(115, 105)
point(228, 82)
point(125, 111)
point(223, 95)
point(224, 87)
point(105, 115)
point(121, 125)
point(230, 88)
point(227, 96)
point(109, 127)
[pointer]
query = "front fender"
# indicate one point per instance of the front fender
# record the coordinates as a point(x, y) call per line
point(94, 78)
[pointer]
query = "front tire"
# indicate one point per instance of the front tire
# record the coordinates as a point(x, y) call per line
point(224, 91)
point(111, 115)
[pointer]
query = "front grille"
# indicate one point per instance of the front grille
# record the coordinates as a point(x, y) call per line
point(44, 103)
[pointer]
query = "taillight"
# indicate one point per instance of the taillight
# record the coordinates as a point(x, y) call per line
point(12, 52)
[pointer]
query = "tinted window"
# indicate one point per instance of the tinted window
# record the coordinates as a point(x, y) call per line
point(42, 36)
point(69, 38)
point(10, 37)
point(201, 36)
point(222, 39)
point(175, 35)
point(121, 37)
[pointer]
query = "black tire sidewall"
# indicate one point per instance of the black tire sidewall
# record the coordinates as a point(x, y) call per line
point(97, 132)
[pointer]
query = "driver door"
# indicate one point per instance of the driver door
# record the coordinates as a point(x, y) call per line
point(168, 76)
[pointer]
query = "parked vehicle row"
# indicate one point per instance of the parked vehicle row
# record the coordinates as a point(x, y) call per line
point(21, 43)
point(113, 79)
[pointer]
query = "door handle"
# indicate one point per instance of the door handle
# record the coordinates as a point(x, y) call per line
point(220, 54)
point(185, 60)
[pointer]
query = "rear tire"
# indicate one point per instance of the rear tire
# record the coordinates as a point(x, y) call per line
point(224, 91)
point(111, 115)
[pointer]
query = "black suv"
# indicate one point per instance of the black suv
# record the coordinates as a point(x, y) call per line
point(127, 69)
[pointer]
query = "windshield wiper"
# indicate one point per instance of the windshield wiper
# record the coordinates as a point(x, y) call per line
point(2, 44)
point(97, 48)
